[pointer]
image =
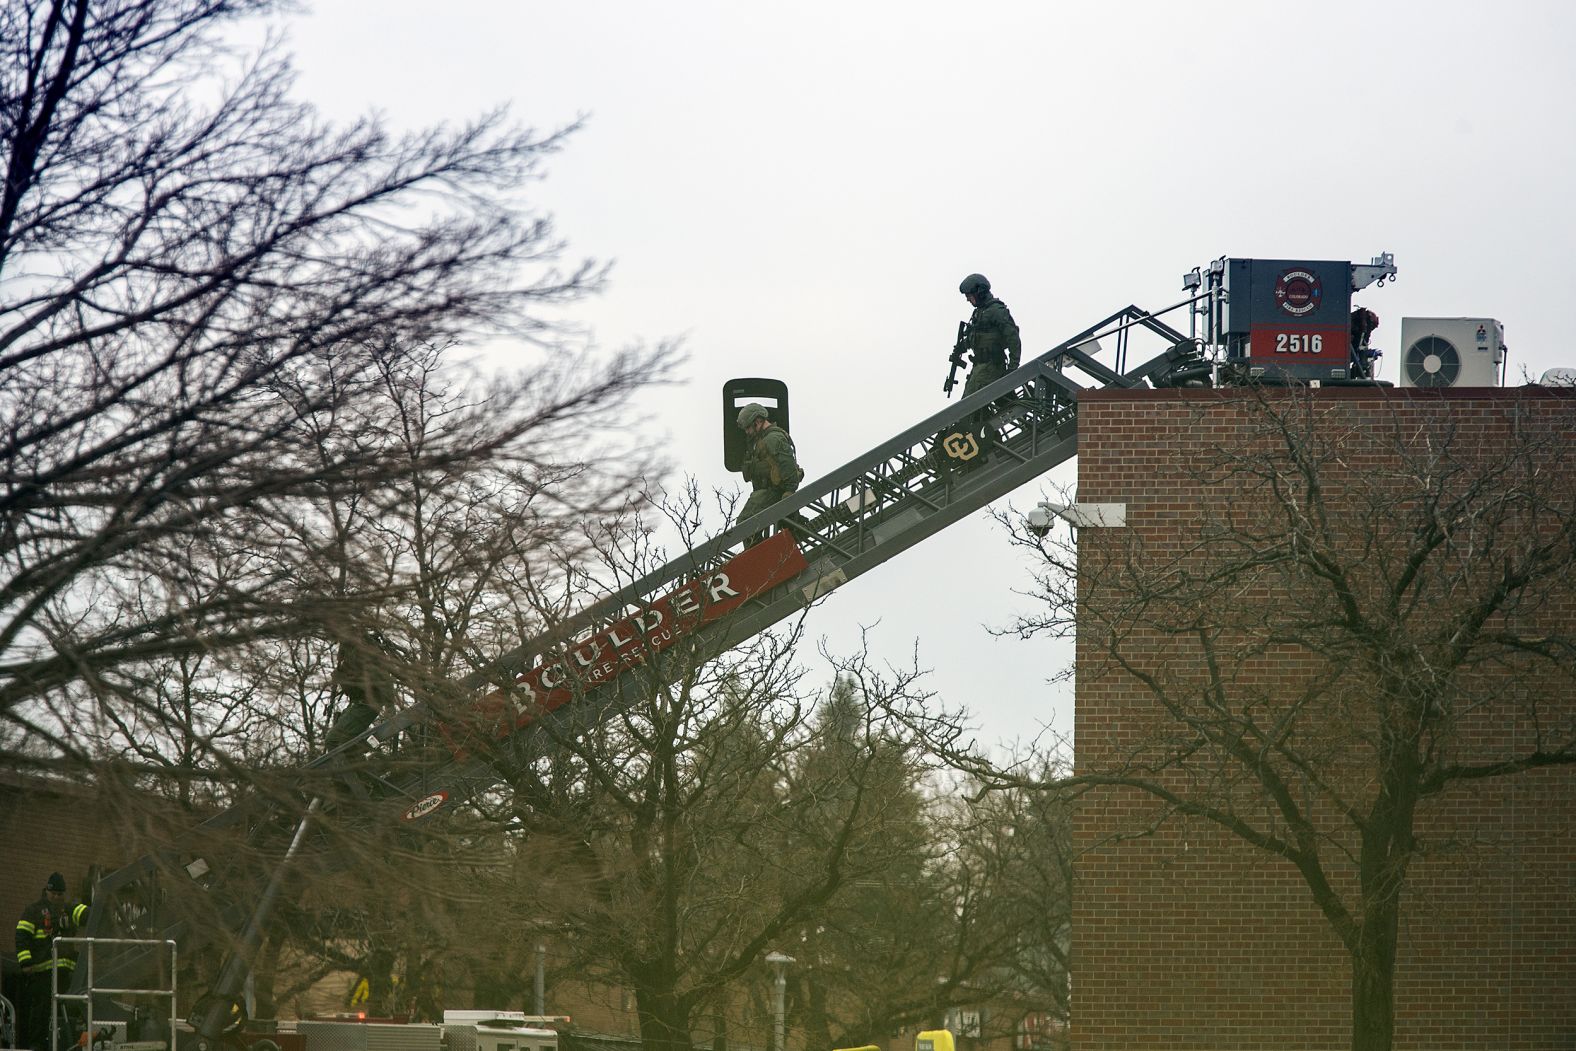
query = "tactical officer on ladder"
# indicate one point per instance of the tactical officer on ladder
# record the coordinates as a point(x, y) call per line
point(994, 344)
point(361, 674)
point(771, 463)
point(40, 924)
point(994, 347)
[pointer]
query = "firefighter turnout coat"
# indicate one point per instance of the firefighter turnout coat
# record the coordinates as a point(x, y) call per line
point(41, 923)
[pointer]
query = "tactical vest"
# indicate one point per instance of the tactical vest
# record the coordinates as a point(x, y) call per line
point(987, 340)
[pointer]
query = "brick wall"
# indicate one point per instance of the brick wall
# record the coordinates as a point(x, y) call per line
point(1184, 936)
point(45, 826)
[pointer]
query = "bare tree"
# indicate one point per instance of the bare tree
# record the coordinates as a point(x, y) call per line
point(235, 420)
point(1361, 614)
point(204, 289)
point(672, 833)
point(425, 586)
point(1015, 869)
point(408, 572)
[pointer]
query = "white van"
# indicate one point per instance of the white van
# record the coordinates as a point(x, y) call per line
point(497, 1031)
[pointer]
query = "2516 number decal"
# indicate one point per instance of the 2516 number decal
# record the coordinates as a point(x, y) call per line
point(1299, 343)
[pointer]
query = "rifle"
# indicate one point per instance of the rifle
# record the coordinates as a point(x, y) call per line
point(957, 358)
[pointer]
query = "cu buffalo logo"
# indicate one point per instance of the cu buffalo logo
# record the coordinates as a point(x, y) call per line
point(423, 807)
point(961, 446)
point(1298, 292)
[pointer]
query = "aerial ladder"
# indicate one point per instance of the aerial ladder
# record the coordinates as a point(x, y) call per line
point(697, 606)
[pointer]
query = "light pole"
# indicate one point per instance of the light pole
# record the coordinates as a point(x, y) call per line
point(779, 962)
point(540, 984)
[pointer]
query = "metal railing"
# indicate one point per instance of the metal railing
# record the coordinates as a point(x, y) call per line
point(87, 989)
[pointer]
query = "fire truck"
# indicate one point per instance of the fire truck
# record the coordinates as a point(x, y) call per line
point(1239, 321)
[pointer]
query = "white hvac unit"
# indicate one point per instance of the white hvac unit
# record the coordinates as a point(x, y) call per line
point(1451, 351)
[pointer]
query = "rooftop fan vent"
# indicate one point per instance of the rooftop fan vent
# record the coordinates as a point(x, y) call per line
point(1432, 362)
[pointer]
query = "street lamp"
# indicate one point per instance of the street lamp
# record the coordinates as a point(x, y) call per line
point(779, 962)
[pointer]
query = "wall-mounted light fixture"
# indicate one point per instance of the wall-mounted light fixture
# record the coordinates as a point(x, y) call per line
point(1079, 516)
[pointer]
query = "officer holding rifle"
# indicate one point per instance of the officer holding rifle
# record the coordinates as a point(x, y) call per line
point(990, 337)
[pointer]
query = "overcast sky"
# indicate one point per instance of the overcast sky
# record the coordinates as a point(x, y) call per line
point(797, 188)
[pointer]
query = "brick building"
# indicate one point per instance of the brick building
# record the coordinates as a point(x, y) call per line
point(46, 826)
point(1185, 936)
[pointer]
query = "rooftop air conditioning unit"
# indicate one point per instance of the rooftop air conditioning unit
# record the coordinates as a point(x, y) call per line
point(1451, 351)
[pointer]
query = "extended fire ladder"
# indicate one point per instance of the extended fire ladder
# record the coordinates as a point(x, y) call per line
point(720, 594)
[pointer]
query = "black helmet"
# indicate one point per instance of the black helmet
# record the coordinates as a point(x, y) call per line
point(56, 882)
point(974, 283)
point(750, 413)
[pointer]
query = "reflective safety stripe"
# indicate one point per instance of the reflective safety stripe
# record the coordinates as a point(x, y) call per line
point(78, 913)
point(26, 927)
point(24, 957)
